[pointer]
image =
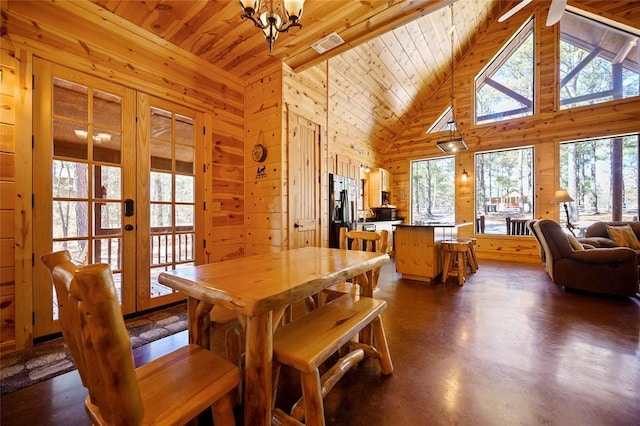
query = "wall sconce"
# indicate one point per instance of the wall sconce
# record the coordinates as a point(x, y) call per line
point(365, 168)
point(464, 176)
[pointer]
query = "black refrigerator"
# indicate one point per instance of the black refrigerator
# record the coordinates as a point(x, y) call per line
point(343, 206)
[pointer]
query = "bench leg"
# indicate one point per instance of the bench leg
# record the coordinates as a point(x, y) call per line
point(312, 394)
point(382, 346)
point(448, 260)
point(223, 412)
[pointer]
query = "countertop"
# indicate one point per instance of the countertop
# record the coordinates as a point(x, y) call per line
point(433, 225)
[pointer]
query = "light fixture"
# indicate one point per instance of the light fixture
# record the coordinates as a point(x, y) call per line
point(97, 138)
point(452, 141)
point(365, 168)
point(269, 20)
point(562, 196)
point(465, 175)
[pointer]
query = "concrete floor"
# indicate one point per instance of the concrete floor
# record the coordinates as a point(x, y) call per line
point(507, 348)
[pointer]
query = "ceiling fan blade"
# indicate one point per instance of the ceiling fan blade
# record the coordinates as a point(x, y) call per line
point(555, 11)
point(514, 10)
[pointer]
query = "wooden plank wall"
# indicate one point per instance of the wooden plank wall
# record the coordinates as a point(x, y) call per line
point(116, 50)
point(7, 198)
point(265, 183)
point(544, 130)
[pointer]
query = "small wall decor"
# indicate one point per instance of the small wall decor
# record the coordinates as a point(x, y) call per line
point(259, 152)
point(261, 172)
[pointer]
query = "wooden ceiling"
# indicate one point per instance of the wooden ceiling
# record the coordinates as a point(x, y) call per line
point(396, 54)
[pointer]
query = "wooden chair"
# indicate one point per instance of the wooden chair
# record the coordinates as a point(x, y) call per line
point(359, 240)
point(516, 226)
point(172, 389)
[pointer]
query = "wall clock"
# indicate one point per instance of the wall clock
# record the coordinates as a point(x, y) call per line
point(259, 153)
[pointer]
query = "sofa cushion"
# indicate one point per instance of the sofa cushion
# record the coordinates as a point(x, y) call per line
point(575, 244)
point(624, 236)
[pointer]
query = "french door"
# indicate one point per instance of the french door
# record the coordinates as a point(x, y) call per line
point(114, 182)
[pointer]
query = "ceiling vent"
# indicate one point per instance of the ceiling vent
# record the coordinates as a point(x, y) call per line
point(327, 43)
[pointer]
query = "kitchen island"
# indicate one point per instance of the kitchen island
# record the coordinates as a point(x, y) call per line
point(418, 251)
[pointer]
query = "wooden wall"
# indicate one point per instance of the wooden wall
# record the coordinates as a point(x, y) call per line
point(118, 51)
point(266, 188)
point(7, 198)
point(544, 130)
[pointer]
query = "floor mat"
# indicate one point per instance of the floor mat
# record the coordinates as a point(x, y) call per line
point(49, 359)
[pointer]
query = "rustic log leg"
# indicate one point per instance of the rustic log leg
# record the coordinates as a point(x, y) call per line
point(312, 394)
point(198, 321)
point(222, 411)
point(366, 290)
point(382, 346)
point(258, 370)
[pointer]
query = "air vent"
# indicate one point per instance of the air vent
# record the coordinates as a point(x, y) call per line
point(327, 43)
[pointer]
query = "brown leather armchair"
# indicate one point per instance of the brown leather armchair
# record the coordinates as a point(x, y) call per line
point(599, 270)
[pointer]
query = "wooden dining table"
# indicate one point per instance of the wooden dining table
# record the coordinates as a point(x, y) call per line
point(259, 289)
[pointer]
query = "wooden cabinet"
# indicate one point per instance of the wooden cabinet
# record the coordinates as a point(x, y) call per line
point(379, 187)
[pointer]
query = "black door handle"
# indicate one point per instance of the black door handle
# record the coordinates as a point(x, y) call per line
point(129, 207)
point(295, 225)
point(128, 227)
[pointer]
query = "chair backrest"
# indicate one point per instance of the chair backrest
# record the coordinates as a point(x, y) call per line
point(516, 226)
point(534, 232)
point(97, 330)
point(365, 241)
point(61, 269)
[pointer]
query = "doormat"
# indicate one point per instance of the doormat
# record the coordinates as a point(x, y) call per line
point(46, 360)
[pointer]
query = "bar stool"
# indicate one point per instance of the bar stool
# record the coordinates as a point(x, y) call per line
point(457, 255)
point(472, 252)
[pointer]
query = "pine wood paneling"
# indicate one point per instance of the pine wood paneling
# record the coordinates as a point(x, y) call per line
point(544, 130)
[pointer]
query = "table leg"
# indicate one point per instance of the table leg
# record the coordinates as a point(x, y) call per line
point(198, 321)
point(258, 370)
point(366, 289)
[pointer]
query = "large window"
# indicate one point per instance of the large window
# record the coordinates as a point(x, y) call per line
point(504, 89)
point(601, 175)
point(433, 194)
point(504, 191)
point(598, 63)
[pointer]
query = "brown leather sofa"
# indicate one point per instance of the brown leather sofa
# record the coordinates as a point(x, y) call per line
point(598, 236)
point(600, 270)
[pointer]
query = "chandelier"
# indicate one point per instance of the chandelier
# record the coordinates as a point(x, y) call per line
point(452, 141)
point(268, 18)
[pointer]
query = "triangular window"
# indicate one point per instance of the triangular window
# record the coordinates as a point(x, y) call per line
point(504, 89)
point(598, 62)
point(441, 123)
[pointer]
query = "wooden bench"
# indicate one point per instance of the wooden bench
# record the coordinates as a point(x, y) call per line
point(306, 343)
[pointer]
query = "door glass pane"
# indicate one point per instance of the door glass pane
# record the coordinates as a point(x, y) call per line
point(160, 186)
point(70, 219)
point(185, 216)
point(70, 139)
point(77, 249)
point(184, 130)
point(108, 218)
point(184, 159)
point(108, 250)
point(161, 155)
point(107, 145)
point(162, 249)
point(161, 217)
point(185, 188)
point(184, 247)
point(69, 179)
point(160, 124)
point(108, 182)
point(107, 109)
point(70, 100)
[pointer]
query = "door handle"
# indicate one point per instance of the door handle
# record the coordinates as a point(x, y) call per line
point(296, 225)
point(129, 207)
point(128, 227)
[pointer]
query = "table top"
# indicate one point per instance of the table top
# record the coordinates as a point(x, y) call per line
point(258, 284)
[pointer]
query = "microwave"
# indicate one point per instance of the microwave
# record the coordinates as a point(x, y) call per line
point(385, 213)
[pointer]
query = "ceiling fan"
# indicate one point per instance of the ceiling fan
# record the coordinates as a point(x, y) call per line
point(555, 11)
